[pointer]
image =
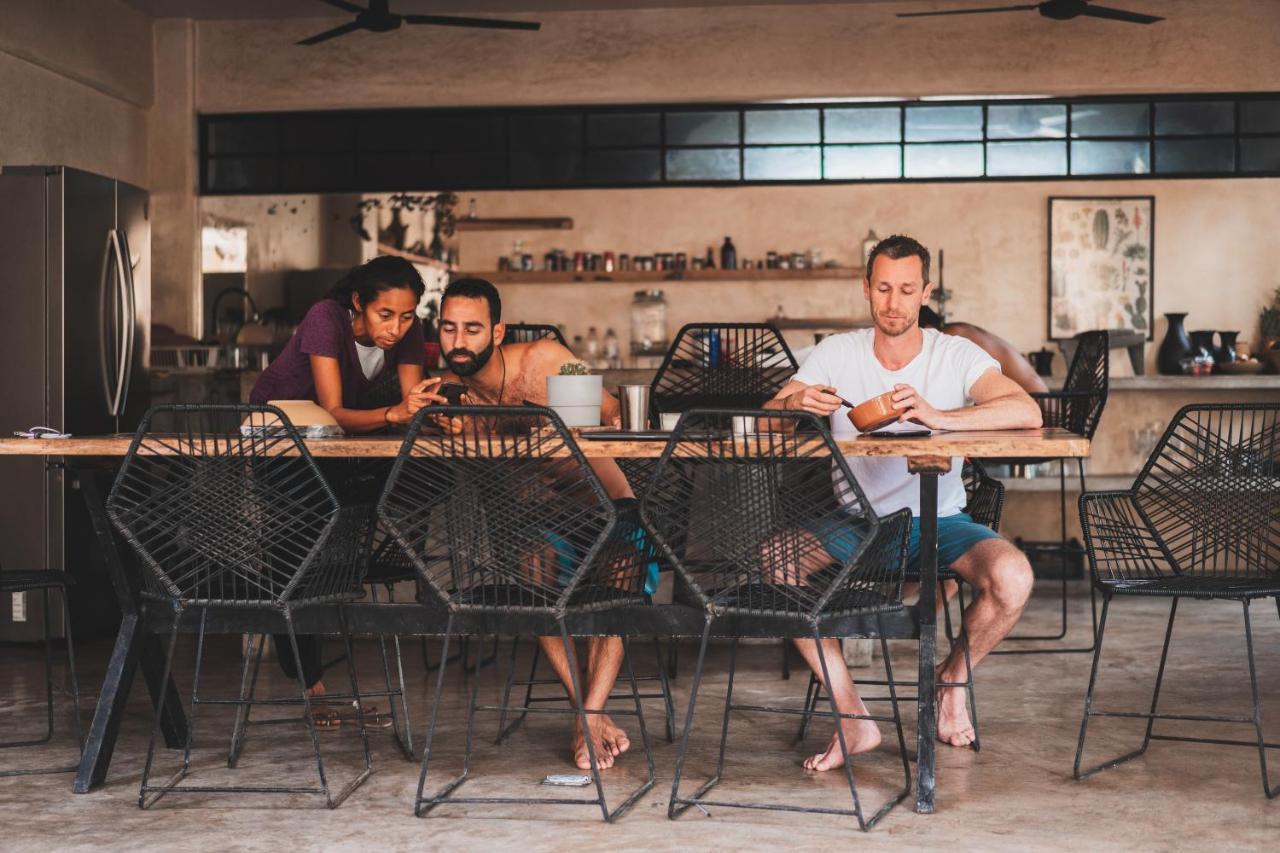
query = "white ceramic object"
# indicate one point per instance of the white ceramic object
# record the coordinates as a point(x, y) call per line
point(576, 399)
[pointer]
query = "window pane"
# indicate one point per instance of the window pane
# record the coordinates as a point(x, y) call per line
point(702, 128)
point(928, 124)
point(1023, 121)
point(1195, 155)
point(765, 126)
point(1026, 158)
point(546, 133)
point(784, 163)
point(545, 168)
point(471, 169)
point(317, 172)
point(1183, 117)
point(624, 166)
point(852, 162)
point(247, 174)
point(1110, 158)
point(395, 132)
point(1260, 155)
point(1109, 120)
point(862, 124)
point(316, 133)
point(944, 161)
point(470, 133)
point(240, 136)
point(623, 129)
point(394, 171)
point(1260, 116)
point(703, 164)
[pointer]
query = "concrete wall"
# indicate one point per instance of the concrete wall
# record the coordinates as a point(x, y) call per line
point(75, 86)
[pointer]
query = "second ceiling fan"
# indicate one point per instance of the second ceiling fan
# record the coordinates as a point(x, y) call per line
point(378, 18)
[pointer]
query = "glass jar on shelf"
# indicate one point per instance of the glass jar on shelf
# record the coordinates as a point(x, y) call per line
point(648, 323)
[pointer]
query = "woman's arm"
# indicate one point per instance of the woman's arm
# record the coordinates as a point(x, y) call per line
point(328, 379)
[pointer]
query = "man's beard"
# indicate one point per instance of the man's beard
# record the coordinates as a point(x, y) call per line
point(473, 362)
point(880, 325)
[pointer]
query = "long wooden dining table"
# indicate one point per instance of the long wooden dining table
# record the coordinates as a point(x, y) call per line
point(86, 458)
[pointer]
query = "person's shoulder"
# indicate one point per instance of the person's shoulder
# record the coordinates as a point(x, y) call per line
point(843, 341)
point(544, 355)
point(326, 311)
point(954, 343)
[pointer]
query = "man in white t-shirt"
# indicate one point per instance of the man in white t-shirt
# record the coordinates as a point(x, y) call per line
point(941, 382)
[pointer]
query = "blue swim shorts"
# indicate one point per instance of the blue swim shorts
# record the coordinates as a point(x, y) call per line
point(956, 535)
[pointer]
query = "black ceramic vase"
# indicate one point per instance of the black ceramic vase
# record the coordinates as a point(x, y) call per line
point(1226, 352)
point(1175, 347)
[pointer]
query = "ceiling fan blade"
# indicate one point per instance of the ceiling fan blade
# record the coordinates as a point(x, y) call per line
point(1119, 15)
point(483, 23)
point(345, 6)
point(1024, 7)
point(331, 34)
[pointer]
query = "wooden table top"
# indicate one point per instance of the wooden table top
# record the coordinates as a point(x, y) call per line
point(942, 445)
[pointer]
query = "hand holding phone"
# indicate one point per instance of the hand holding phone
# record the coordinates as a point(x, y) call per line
point(452, 391)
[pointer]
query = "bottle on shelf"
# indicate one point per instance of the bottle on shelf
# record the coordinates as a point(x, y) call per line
point(517, 255)
point(612, 349)
point(592, 351)
point(710, 262)
point(578, 348)
point(728, 255)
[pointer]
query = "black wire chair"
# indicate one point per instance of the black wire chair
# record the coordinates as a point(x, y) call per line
point(357, 483)
point(44, 582)
point(723, 366)
point(1078, 408)
point(523, 333)
point(512, 532)
point(761, 565)
point(243, 519)
point(985, 504)
point(1202, 521)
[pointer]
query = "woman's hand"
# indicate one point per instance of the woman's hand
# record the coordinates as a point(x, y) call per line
point(420, 395)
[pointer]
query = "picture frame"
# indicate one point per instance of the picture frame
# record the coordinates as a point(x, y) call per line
point(1101, 264)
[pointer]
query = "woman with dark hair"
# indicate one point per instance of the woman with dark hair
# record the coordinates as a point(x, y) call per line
point(366, 325)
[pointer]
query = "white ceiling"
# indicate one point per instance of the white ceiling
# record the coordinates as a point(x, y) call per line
point(211, 9)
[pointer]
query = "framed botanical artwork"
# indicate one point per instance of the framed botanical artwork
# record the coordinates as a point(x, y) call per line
point(1101, 257)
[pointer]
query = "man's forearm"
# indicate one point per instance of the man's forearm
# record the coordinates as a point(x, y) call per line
point(1012, 412)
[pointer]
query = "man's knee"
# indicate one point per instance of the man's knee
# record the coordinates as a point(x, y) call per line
point(1011, 578)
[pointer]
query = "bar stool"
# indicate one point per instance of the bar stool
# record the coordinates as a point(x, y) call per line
point(44, 582)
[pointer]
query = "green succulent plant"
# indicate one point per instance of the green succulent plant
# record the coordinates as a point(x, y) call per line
point(1271, 317)
point(574, 368)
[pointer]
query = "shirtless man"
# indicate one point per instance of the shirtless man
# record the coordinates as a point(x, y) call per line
point(1013, 364)
point(934, 377)
point(497, 373)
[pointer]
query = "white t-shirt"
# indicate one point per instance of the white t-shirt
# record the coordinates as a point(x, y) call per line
point(372, 358)
point(943, 373)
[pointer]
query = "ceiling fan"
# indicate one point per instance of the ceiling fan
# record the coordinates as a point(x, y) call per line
point(377, 18)
point(1059, 10)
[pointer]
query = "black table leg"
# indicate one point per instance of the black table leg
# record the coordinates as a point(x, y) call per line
point(133, 644)
point(927, 725)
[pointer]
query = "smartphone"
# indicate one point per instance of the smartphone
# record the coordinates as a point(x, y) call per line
point(905, 433)
point(452, 391)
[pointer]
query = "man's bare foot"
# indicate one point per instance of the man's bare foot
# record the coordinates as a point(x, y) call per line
point(615, 739)
point(316, 690)
point(581, 756)
point(954, 726)
point(859, 736)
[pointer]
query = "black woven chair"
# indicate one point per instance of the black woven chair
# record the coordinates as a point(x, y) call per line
point(523, 333)
point(45, 582)
point(985, 504)
point(1078, 408)
point(1201, 522)
point(238, 520)
point(761, 566)
point(512, 532)
point(722, 365)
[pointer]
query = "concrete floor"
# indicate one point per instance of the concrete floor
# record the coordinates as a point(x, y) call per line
point(1016, 795)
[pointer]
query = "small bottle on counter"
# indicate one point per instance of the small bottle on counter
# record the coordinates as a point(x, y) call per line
point(592, 351)
point(612, 349)
point(728, 255)
point(608, 262)
point(710, 262)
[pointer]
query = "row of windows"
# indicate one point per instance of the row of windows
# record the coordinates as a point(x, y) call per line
point(555, 147)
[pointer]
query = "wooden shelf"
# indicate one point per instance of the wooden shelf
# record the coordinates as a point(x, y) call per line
point(517, 223)
point(384, 249)
point(659, 276)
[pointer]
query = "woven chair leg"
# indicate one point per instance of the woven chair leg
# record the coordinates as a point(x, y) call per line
point(248, 688)
point(668, 706)
point(1267, 788)
point(506, 729)
point(897, 727)
point(195, 692)
point(399, 719)
point(652, 776)
point(811, 696)
point(421, 804)
point(335, 801)
point(71, 672)
point(678, 806)
point(579, 699)
point(145, 787)
point(405, 739)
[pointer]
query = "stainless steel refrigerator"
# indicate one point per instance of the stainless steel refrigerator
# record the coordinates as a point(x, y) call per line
point(75, 252)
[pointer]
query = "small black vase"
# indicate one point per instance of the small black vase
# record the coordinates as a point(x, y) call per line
point(1226, 352)
point(1175, 347)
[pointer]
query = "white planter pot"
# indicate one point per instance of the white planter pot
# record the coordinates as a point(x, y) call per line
point(576, 399)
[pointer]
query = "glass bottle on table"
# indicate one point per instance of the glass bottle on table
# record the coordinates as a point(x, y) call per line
point(612, 349)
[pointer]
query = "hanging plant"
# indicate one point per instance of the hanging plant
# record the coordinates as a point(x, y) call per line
point(441, 204)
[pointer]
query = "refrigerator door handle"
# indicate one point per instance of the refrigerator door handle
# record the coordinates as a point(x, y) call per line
point(122, 314)
point(124, 264)
point(106, 308)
